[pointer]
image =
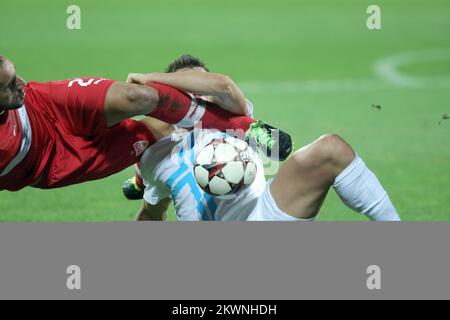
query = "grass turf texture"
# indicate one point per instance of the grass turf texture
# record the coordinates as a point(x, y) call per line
point(273, 44)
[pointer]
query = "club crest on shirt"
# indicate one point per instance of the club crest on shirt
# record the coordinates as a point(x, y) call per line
point(140, 146)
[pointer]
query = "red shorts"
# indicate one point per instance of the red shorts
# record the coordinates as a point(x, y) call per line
point(71, 143)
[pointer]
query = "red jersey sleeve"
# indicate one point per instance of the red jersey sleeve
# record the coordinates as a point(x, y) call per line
point(78, 104)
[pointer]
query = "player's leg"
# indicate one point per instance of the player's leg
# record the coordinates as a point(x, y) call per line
point(133, 188)
point(303, 182)
point(179, 108)
point(168, 104)
point(301, 185)
point(158, 212)
point(176, 107)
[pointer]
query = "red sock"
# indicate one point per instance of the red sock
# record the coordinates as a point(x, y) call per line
point(177, 107)
point(139, 179)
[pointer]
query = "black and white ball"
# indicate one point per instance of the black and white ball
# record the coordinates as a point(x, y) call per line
point(225, 166)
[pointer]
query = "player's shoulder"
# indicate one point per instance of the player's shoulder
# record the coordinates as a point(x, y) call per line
point(34, 91)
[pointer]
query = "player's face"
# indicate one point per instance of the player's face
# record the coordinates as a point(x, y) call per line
point(11, 87)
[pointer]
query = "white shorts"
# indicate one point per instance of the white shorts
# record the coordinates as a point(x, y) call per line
point(267, 210)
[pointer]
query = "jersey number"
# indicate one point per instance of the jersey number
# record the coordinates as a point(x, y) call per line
point(81, 82)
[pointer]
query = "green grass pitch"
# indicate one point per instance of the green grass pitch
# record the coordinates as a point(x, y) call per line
point(309, 67)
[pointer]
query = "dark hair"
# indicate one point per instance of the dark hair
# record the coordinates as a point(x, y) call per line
point(185, 61)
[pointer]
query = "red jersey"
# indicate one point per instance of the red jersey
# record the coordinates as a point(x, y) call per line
point(59, 137)
point(10, 143)
point(28, 145)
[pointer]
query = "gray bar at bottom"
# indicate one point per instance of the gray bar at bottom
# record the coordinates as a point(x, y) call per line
point(324, 260)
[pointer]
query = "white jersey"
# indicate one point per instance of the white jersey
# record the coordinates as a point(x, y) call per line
point(167, 170)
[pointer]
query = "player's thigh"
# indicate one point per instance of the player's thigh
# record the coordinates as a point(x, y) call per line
point(266, 209)
point(302, 183)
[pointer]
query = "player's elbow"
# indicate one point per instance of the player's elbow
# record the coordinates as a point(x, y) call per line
point(143, 98)
point(225, 85)
point(231, 92)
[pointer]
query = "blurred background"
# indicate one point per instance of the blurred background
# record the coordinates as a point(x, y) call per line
point(309, 67)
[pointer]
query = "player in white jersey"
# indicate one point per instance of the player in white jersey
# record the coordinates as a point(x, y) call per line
point(295, 194)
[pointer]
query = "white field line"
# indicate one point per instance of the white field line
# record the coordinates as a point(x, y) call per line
point(388, 68)
point(387, 71)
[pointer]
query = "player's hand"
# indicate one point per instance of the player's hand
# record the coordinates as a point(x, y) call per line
point(138, 78)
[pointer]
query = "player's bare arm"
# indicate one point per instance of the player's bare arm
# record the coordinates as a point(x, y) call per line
point(126, 100)
point(220, 88)
point(156, 212)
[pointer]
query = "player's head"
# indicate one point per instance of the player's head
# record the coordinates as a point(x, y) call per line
point(11, 86)
point(186, 62)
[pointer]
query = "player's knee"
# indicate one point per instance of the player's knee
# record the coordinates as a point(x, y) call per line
point(143, 99)
point(332, 148)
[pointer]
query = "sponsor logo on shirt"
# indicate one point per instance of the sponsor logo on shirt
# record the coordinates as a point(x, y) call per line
point(140, 146)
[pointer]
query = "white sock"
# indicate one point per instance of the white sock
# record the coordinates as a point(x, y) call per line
point(361, 191)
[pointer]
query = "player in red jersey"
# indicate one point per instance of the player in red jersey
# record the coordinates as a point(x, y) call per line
point(65, 132)
point(60, 133)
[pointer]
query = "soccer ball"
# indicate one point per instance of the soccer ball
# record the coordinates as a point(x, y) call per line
point(225, 166)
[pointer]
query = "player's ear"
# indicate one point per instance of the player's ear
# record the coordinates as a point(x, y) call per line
point(3, 59)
